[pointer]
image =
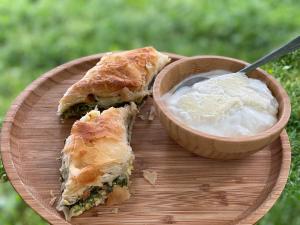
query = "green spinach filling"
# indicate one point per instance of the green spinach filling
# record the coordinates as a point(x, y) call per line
point(80, 109)
point(97, 196)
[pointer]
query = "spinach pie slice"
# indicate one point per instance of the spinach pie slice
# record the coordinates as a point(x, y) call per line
point(97, 160)
point(118, 78)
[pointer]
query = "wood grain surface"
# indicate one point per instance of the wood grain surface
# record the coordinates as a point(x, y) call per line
point(189, 189)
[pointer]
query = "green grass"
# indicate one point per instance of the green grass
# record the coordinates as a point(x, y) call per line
point(286, 210)
point(36, 36)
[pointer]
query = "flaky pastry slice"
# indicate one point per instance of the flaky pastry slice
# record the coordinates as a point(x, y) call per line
point(118, 78)
point(97, 160)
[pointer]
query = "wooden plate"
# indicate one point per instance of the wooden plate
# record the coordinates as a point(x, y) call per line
point(189, 189)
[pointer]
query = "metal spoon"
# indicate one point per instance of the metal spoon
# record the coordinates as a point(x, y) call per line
point(289, 47)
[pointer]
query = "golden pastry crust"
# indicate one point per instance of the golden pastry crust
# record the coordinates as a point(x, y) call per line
point(116, 78)
point(97, 151)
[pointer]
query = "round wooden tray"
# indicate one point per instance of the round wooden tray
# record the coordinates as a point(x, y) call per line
point(189, 189)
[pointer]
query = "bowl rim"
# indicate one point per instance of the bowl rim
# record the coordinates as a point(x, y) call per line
point(276, 128)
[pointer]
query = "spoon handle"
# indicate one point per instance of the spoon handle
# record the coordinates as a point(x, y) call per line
point(289, 47)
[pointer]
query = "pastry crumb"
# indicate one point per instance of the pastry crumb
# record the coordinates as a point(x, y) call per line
point(52, 201)
point(142, 117)
point(52, 194)
point(150, 176)
point(53, 198)
point(151, 115)
point(115, 210)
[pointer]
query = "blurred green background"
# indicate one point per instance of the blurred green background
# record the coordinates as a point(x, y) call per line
point(36, 36)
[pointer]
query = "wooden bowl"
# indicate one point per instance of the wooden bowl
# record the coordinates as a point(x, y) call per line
point(204, 144)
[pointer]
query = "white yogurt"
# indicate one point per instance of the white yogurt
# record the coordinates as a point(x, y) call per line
point(230, 105)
